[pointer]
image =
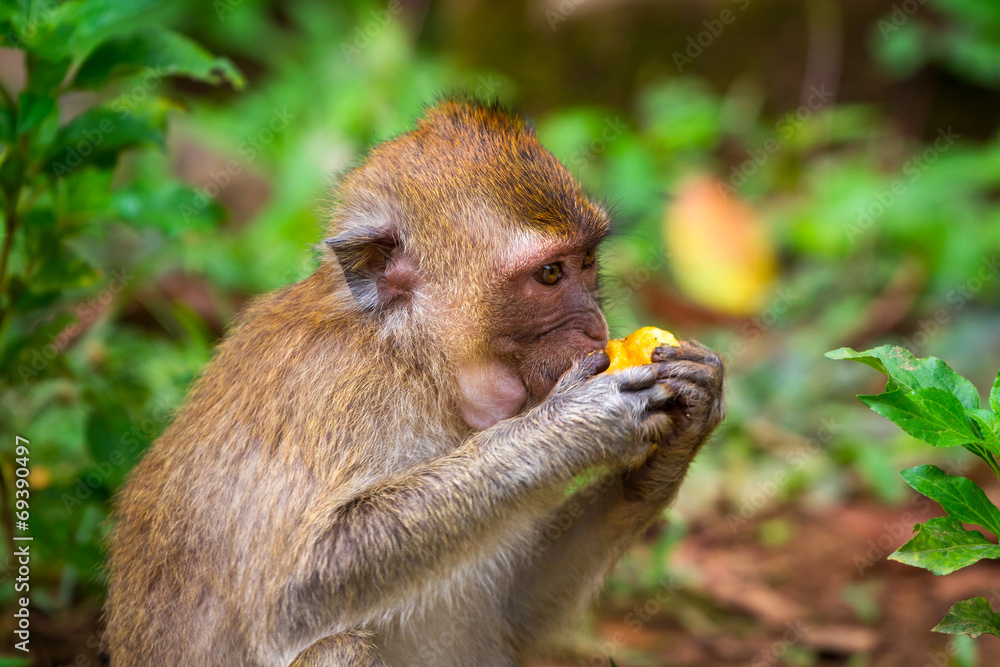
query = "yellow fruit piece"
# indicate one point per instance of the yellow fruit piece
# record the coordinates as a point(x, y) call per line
point(637, 349)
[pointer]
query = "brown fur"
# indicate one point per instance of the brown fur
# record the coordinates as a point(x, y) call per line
point(370, 470)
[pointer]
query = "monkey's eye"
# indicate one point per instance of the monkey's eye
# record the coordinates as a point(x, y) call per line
point(549, 274)
point(590, 258)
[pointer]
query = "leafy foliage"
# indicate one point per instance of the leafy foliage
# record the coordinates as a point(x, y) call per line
point(59, 280)
point(928, 400)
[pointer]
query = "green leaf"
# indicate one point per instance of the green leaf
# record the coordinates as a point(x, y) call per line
point(105, 430)
point(32, 110)
point(904, 371)
point(14, 662)
point(162, 52)
point(970, 617)
point(930, 414)
point(73, 29)
point(995, 395)
point(45, 75)
point(174, 208)
point(96, 137)
point(942, 545)
point(959, 496)
point(7, 125)
point(988, 425)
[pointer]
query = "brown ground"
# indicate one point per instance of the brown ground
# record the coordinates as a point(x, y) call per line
point(805, 602)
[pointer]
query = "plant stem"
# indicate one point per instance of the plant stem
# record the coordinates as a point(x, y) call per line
point(992, 463)
point(7, 96)
point(10, 223)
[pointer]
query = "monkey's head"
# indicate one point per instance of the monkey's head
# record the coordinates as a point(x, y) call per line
point(467, 235)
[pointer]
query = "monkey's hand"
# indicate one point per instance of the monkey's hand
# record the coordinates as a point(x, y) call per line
point(613, 419)
point(693, 374)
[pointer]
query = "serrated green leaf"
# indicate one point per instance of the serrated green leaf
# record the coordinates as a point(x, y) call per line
point(96, 137)
point(162, 52)
point(942, 545)
point(959, 496)
point(862, 357)
point(989, 426)
point(904, 371)
point(930, 414)
point(970, 617)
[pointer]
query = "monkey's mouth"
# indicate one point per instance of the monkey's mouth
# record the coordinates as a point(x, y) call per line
point(542, 379)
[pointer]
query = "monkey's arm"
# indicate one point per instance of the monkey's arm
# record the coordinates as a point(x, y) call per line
point(392, 541)
point(590, 531)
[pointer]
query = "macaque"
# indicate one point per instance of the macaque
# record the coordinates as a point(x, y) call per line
point(375, 467)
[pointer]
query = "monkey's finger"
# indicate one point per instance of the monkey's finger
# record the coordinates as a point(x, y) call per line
point(693, 404)
point(594, 363)
point(685, 392)
point(688, 351)
point(707, 376)
point(636, 378)
point(657, 426)
point(582, 369)
point(654, 398)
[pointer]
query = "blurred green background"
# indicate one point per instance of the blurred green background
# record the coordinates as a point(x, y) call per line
point(787, 178)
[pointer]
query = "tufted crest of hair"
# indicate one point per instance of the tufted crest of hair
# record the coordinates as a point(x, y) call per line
point(456, 202)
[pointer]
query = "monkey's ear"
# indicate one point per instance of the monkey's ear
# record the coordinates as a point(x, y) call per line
point(378, 270)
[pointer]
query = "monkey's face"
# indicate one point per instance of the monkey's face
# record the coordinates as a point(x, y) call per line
point(541, 318)
point(468, 236)
point(551, 318)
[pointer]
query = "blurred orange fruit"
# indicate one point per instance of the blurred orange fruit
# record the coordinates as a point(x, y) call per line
point(720, 252)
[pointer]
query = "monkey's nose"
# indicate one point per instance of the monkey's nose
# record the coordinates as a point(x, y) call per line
point(597, 329)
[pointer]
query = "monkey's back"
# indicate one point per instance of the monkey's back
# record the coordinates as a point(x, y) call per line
point(222, 514)
point(210, 521)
